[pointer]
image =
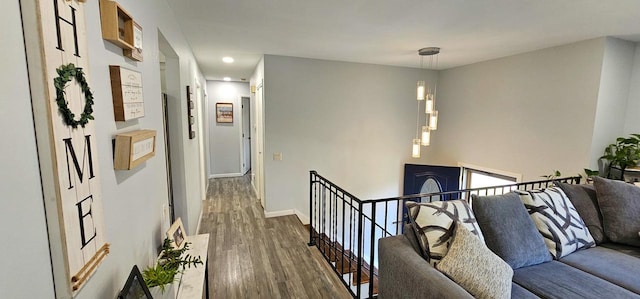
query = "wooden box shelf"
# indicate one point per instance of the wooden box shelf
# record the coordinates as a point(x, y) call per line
point(133, 148)
point(117, 24)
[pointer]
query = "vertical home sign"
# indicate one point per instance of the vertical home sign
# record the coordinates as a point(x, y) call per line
point(62, 101)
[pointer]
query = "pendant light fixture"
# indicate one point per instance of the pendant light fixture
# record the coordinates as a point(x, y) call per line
point(425, 93)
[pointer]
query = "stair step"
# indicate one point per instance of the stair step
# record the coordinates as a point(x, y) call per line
point(343, 265)
point(366, 286)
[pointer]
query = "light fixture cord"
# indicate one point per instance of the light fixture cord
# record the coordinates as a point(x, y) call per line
point(435, 86)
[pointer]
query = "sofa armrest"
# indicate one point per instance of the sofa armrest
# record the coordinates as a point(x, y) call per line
point(405, 274)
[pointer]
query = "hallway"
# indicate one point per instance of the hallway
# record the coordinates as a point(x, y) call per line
point(254, 257)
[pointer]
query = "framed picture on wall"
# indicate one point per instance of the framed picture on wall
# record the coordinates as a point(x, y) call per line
point(224, 112)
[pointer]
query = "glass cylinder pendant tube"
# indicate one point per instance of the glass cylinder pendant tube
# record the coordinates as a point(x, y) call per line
point(429, 104)
point(433, 120)
point(426, 136)
point(421, 91)
point(416, 148)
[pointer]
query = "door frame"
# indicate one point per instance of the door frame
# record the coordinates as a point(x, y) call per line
point(259, 181)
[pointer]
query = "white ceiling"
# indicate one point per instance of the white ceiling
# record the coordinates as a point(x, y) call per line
point(390, 32)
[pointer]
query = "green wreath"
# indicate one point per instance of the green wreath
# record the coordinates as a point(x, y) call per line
point(65, 74)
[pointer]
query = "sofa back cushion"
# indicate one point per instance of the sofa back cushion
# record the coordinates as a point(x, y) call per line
point(433, 224)
point(585, 200)
point(509, 231)
point(620, 206)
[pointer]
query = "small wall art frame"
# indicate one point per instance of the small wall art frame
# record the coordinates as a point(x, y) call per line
point(176, 234)
point(190, 110)
point(224, 112)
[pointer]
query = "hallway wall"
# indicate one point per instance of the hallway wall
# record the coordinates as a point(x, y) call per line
point(353, 123)
point(26, 250)
point(133, 201)
point(225, 138)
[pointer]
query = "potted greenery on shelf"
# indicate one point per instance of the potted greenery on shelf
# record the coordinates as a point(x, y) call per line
point(171, 262)
point(622, 154)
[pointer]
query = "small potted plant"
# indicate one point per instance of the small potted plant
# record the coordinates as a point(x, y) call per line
point(622, 154)
point(163, 274)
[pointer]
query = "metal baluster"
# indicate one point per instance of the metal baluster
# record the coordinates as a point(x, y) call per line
point(373, 248)
point(311, 203)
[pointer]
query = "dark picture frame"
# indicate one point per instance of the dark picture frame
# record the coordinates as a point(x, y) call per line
point(135, 288)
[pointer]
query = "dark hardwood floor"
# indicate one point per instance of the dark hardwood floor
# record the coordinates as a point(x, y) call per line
point(254, 257)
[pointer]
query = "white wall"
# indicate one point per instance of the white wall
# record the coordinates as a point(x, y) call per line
point(132, 200)
point(609, 123)
point(632, 124)
point(225, 138)
point(529, 114)
point(26, 263)
point(351, 122)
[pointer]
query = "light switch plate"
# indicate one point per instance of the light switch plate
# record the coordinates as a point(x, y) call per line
point(277, 156)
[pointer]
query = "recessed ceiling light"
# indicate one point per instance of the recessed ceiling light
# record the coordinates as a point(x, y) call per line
point(226, 79)
point(227, 59)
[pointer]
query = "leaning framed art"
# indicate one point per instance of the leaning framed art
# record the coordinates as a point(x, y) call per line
point(176, 234)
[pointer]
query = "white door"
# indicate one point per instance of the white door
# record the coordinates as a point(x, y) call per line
point(246, 136)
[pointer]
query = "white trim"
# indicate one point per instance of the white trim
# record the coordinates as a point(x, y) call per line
point(279, 213)
point(517, 176)
point(225, 175)
point(303, 218)
point(199, 220)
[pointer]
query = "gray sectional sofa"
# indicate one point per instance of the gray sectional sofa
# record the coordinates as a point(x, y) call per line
point(606, 270)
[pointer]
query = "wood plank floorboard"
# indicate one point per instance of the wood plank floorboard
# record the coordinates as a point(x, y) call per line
point(254, 257)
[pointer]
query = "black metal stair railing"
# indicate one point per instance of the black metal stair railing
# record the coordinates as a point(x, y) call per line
point(346, 229)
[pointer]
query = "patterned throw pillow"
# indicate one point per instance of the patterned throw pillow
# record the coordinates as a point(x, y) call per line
point(475, 268)
point(433, 225)
point(557, 220)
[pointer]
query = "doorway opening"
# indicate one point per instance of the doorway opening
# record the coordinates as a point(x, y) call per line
point(165, 125)
point(246, 135)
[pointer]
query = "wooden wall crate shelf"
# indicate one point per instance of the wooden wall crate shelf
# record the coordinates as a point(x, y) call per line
point(136, 52)
point(117, 24)
point(133, 148)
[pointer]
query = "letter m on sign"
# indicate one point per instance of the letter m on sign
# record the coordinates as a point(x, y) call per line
point(86, 157)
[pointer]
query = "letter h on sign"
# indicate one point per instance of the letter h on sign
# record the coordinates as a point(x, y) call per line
point(72, 23)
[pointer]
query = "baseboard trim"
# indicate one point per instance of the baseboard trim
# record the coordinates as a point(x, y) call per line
point(278, 213)
point(303, 218)
point(225, 175)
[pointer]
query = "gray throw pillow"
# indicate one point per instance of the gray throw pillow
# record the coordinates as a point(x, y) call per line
point(509, 231)
point(475, 268)
point(620, 206)
point(585, 201)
